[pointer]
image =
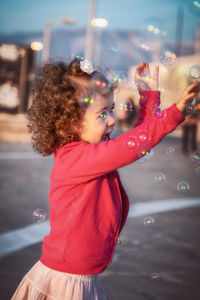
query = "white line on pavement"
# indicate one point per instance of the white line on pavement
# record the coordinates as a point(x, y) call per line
point(18, 239)
point(19, 155)
point(152, 207)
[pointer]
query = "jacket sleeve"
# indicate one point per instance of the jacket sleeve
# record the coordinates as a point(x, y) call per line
point(149, 105)
point(86, 161)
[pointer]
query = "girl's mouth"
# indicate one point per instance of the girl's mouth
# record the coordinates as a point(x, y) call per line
point(106, 137)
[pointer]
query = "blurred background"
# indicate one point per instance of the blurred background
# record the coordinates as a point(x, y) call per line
point(159, 254)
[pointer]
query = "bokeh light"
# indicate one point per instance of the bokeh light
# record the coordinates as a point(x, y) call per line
point(36, 46)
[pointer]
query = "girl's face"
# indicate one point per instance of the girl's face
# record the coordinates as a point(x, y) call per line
point(98, 121)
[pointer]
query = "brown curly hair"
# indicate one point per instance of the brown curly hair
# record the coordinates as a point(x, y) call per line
point(55, 116)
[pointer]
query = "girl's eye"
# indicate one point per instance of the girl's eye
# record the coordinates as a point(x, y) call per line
point(103, 115)
point(111, 111)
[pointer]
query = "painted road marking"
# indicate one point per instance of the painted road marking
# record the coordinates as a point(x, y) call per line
point(18, 239)
point(20, 155)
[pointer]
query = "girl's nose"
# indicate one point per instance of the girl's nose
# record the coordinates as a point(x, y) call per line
point(111, 121)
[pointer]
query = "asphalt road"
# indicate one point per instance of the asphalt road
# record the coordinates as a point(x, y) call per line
point(158, 258)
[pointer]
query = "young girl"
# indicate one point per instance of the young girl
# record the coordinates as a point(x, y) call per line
point(72, 117)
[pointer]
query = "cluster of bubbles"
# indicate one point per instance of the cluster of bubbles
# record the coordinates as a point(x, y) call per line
point(39, 215)
point(149, 221)
point(140, 143)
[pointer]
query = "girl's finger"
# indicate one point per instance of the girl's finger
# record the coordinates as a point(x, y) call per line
point(156, 74)
point(188, 97)
point(191, 87)
point(146, 70)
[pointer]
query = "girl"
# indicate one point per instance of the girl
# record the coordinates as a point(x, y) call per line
point(72, 117)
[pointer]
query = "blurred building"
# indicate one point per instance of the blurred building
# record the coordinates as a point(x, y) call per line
point(16, 74)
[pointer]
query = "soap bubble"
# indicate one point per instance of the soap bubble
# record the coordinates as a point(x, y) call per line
point(143, 151)
point(100, 83)
point(183, 186)
point(155, 276)
point(114, 49)
point(155, 104)
point(159, 114)
point(131, 143)
point(195, 156)
point(197, 169)
point(189, 107)
point(170, 150)
point(160, 177)
point(143, 137)
point(194, 6)
point(39, 215)
point(195, 72)
point(149, 221)
point(167, 57)
point(86, 100)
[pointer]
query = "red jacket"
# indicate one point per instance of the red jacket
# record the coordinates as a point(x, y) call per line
point(88, 204)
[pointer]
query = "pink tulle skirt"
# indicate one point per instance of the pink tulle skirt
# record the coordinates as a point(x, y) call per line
point(43, 283)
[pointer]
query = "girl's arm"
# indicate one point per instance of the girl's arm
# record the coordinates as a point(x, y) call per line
point(81, 161)
point(148, 90)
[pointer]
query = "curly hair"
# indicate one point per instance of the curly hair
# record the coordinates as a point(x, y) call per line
point(55, 115)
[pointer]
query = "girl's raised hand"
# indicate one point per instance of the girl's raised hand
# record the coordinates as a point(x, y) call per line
point(187, 97)
point(143, 79)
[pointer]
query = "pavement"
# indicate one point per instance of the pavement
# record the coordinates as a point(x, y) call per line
point(159, 254)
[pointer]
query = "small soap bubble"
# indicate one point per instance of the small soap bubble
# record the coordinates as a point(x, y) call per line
point(195, 156)
point(170, 150)
point(149, 221)
point(183, 186)
point(155, 276)
point(194, 6)
point(197, 169)
point(143, 137)
point(131, 143)
point(195, 72)
point(160, 177)
point(122, 76)
point(155, 104)
point(114, 49)
point(100, 83)
point(168, 58)
point(159, 114)
point(86, 100)
point(143, 151)
point(189, 107)
point(39, 215)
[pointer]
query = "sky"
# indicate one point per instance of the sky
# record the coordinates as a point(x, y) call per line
point(31, 16)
